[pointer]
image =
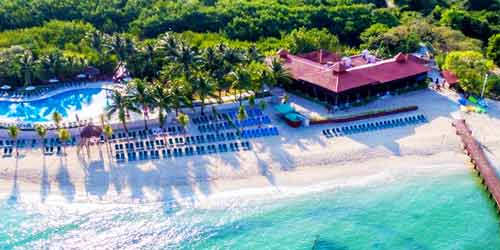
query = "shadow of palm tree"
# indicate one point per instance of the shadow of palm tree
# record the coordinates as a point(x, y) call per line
point(45, 183)
point(266, 172)
point(64, 179)
point(14, 193)
point(96, 179)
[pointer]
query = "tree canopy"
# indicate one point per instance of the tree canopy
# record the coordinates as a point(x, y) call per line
point(470, 67)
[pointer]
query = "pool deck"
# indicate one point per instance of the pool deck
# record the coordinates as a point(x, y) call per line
point(480, 161)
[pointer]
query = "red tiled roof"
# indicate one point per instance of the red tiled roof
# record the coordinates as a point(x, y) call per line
point(321, 56)
point(393, 69)
point(339, 78)
point(450, 77)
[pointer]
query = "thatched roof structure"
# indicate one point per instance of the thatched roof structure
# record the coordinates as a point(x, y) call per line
point(91, 71)
point(91, 131)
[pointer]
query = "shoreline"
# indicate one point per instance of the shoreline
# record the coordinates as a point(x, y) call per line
point(298, 161)
point(301, 181)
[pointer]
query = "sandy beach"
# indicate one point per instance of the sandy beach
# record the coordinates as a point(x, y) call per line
point(299, 160)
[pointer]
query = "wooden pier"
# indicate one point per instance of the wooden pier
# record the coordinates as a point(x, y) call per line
point(481, 163)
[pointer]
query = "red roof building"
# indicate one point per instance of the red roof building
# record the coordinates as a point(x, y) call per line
point(351, 75)
point(450, 78)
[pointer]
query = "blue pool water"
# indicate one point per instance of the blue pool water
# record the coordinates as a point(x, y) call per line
point(87, 103)
point(419, 213)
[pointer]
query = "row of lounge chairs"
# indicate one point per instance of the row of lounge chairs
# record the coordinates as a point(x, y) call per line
point(169, 153)
point(49, 150)
point(143, 134)
point(224, 115)
point(371, 126)
point(50, 126)
point(259, 132)
point(21, 143)
point(255, 121)
point(39, 91)
point(160, 142)
point(7, 151)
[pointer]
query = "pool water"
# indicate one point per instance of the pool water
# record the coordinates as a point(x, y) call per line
point(87, 103)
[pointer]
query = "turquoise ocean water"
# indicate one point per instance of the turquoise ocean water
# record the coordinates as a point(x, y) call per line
point(417, 213)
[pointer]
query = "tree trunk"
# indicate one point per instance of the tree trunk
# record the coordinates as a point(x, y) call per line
point(144, 110)
point(202, 106)
point(124, 124)
point(161, 119)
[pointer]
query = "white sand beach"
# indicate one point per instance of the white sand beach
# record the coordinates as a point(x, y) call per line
point(283, 165)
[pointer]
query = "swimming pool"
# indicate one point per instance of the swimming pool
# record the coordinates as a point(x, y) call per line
point(87, 103)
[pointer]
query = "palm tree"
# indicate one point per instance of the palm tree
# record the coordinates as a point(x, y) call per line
point(108, 132)
point(242, 114)
point(52, 64)
point(27, 63)
point(147, 54)
point(121, 104)
point(203, 88)
point(232, 56)
point(13, 132)
point(240, 80)
point(162, 99)
point(251, 101)
point(95, 39)
point(142, 97)
point(169, 44)
point(253, 54)
point(183, 119)
point(41, 132)
point(278, 74)
point(213, 63)
point(57, 118)
point(188, 58)
point(120, 46)
point(179, 92)
point(262, 105)
point(64, 136)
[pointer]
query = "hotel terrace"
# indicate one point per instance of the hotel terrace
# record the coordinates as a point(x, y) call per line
point(341, 80)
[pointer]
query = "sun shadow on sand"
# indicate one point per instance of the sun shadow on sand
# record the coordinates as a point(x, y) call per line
point(388, 138)
point(265, 171)
point(44, 183)
point(96, 179)
point(63, 178)
point(14, 193)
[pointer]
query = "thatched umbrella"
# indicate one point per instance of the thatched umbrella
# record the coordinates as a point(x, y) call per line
point(91, 72)
point(89, 132)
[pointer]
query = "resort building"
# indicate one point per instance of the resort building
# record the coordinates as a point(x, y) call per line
point(450, 79)
point(342, 80)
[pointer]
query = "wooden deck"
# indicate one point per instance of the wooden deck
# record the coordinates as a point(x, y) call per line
point(481, 163)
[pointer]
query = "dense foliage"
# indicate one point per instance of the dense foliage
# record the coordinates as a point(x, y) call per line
point(471, 67)
point(44, 39)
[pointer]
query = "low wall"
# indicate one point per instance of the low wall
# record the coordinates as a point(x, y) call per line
point(364, 116)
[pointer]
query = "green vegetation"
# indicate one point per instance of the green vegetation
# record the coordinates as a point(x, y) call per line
point(45, 39)
point(470, 67)
point(188, 77)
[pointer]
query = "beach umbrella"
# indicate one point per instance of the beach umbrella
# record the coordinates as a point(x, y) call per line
point(91, 131)
point(5, 87)
point(30, 88)
point(81, 76)
point(53, 80)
